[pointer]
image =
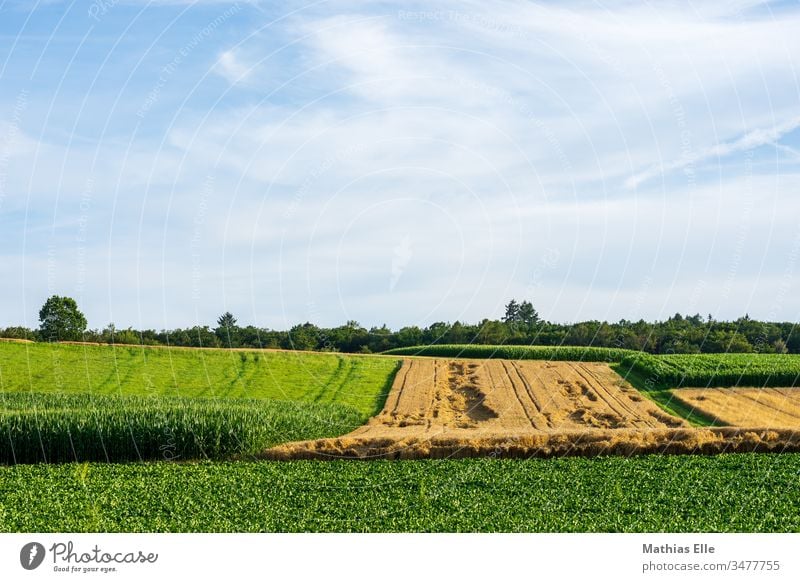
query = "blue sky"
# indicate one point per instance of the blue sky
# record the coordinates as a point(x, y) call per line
point(398, 163)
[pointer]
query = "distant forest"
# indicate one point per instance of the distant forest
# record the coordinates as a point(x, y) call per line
point(521, 325)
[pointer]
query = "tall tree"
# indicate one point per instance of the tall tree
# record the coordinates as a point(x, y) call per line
point(227, 329)
point(527, 315)
point(61, 320)
point(512, 312)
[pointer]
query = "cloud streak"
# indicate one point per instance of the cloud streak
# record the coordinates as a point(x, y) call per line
point(751, 140)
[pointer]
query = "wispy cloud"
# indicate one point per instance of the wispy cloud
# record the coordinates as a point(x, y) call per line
point(751, 140)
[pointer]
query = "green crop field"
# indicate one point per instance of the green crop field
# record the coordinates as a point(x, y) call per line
point(714, 369)
point(573, 353)
point(360, 382)
point(726, 493)
point(61, 428)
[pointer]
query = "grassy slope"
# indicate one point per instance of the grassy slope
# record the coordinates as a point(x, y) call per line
point(357, 381)
point(657, 493)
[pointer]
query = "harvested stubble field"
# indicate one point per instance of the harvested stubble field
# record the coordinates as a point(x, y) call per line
point(772, 407)
point(441, 408)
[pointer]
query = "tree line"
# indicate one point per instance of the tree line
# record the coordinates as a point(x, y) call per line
point(61, 320)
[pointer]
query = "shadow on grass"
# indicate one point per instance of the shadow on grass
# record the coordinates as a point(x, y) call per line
point(385, 389)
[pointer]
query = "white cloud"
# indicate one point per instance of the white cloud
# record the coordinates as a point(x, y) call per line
point(230, 67)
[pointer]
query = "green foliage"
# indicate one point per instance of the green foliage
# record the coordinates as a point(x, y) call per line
point(18, 332)
point(520, 315)
point(575, 353)
point(713, 369)
point(54, 428)
point(61, 320)
point(528, 316)
point(227, 330)
point(780, 346)
point(356, 381)
point(303, 337)
point(520, 325)
point(226, 320)
point(512, 312)
point(492, 333)
point(725, 493)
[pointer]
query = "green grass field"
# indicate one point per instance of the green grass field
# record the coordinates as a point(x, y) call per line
point(726, 493)
point(360, 382)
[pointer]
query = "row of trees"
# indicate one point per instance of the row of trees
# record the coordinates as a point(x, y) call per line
point(61, 320)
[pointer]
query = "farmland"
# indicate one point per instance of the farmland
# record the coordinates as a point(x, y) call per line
point(510, 352)
point(61, 428)
point(662, 371)
point(697, 370)
point(723, 493)
point(471, 408)
point(63, 403)
point(360, 382)
point(444, 408)
point(507, 396)
point(773, 407)
point(121, 404)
